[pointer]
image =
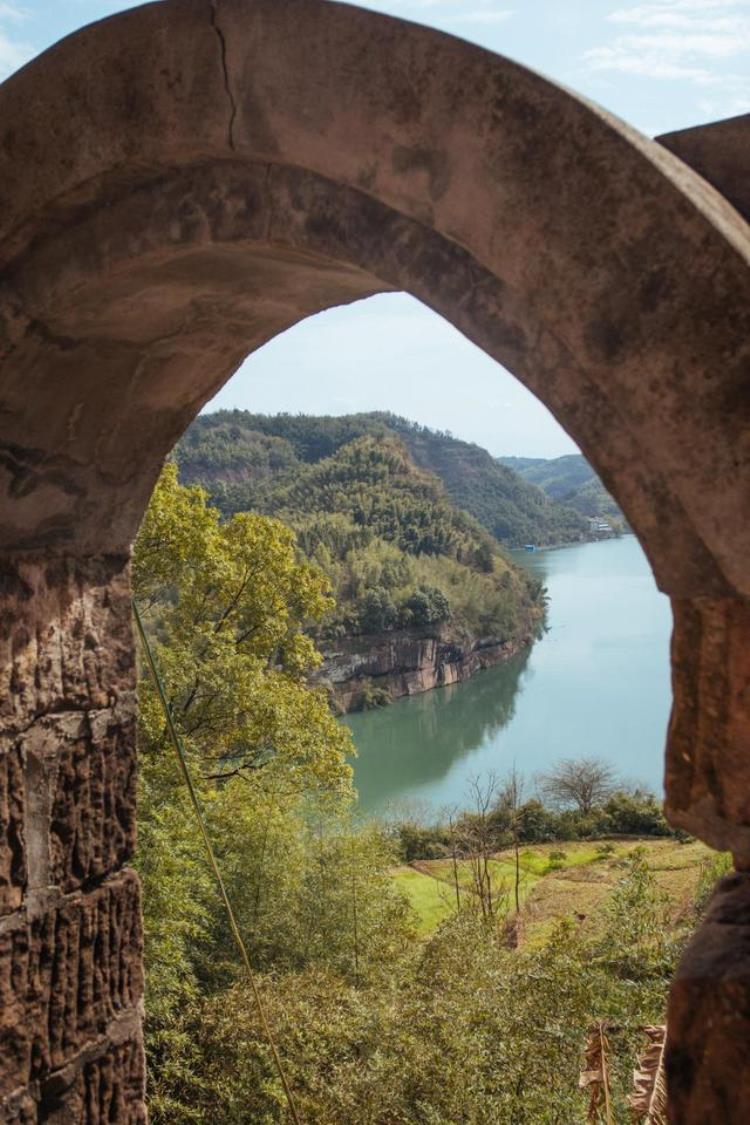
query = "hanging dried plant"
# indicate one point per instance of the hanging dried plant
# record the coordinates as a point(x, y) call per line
point(595, 1075)
point(648, 1101)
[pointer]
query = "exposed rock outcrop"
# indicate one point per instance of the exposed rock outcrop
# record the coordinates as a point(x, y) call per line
point(385, 666)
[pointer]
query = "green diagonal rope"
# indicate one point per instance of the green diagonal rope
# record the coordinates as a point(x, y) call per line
point(180, 751)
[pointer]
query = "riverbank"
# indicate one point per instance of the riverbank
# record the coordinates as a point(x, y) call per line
point(597, 684)
point(522, 553)
point(374, 670)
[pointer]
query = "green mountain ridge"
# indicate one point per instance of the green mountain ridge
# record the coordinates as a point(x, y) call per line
point(233, 452)
point(397, 550)
point(568, 480)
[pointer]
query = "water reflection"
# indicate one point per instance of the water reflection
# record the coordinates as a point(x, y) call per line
point(420, 739)
point(596, 685)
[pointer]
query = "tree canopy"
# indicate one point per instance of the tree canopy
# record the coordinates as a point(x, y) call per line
point(240, 449)
point(398, 552)
point(229, 604)
point(581, 783)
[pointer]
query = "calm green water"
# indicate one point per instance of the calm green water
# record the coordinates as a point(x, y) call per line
point(597, 684)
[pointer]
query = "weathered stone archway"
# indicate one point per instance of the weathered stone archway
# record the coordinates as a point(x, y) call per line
point(177, 185)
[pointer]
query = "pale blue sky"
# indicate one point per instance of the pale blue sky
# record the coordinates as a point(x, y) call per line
point(659, 64)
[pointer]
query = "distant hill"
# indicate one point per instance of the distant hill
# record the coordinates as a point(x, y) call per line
point(569, 480)
point(399, 553)
point(512, 509)
point(241, 453)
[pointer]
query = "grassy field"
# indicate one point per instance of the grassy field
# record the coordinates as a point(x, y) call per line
point(557, 880)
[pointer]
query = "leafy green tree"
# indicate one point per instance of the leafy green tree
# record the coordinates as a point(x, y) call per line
point(377, 611)
point(427, 606)
point(228, 605)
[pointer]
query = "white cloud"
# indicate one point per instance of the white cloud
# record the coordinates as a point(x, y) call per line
point(485, 5)
point(682, 40)
point(690, 43)
point(406, 10)
point(647, 65)
point(675, 12)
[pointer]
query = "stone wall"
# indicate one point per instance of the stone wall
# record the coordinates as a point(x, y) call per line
point(71, 977)
point(708, 1058)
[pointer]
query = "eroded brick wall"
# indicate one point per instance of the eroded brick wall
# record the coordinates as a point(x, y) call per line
point(71, 979)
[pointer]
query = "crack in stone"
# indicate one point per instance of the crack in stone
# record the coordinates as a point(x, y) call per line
point(44, 900)
point(225, 70)
point(13, 731)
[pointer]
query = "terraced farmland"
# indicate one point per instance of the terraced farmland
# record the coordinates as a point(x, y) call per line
point(557, 881)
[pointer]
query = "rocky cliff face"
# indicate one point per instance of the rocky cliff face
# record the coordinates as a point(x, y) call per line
point(378, 668)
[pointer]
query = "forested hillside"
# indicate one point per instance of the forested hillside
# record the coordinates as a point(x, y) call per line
point(237, 450)
point(399, 554)
point(569, 480)
point(513, 510)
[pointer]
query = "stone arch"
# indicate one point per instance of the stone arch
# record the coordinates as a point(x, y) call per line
point(180, 183)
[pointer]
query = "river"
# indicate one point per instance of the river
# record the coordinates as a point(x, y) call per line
point(597, 684)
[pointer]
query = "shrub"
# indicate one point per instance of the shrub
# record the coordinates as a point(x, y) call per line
point(538, 825)
point(376, 611)
point(556, 860)
point(418, 842)
point(636, 814)
point(372, 696)
point(426, 606)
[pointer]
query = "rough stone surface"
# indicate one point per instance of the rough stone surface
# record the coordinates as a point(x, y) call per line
point(70, 927)
point(720, 152)
point(107, 1088)
point(406, 662)
point(65, 637)
point(67, 724)
point(13, 869)
point(81, 769)
point(708, 1055)
point(708, 749)
point(68, 971)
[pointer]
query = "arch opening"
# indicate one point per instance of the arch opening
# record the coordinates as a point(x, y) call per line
point(187, 201)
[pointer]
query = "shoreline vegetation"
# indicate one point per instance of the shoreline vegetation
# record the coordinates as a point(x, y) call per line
point(502, 841)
